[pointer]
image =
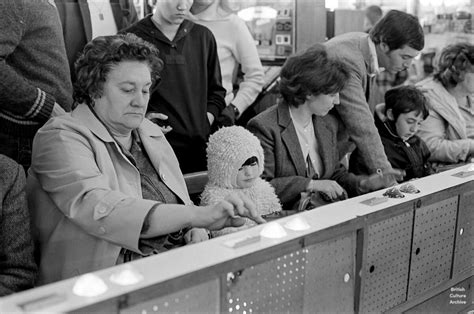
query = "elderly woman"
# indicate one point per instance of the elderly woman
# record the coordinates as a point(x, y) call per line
point(299, 137)
point(105, 184)
point(449, 92)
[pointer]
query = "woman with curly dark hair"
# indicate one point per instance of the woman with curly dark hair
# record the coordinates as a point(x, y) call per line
point(299, 136)
point(450, 91)
point(105, 185)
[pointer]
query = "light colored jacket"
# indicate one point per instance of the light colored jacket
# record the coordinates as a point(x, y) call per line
point(85, 195)
point(444, 131)
point(357, 99)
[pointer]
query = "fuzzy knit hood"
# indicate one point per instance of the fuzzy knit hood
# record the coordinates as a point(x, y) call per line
point(227, 150)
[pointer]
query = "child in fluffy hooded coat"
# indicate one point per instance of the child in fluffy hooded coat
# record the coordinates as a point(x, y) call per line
point(231, 167)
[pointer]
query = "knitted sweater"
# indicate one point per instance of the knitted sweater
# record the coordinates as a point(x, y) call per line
point(235, 46)
point(34, 72)
point(17, 265)
point(227, 151)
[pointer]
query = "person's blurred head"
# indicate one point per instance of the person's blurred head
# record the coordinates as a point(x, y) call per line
point(172, 12)
point(202, 5)
point(313, 78)
point(399, 38)
point(406, 107)
point(114, 77)
point(456, 67)
point(373, 14)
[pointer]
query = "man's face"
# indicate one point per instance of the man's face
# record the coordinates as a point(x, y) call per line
point(396, 60)
point(173, 11)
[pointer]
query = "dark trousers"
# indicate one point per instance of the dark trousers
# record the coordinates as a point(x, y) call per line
point(17, 148)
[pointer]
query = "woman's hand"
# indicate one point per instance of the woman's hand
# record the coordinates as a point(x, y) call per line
point(196, 235)
point(227, 213)
point(381, 180)
point(329, 187)
point(161, 120)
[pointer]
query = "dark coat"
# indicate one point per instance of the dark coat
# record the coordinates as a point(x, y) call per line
point(411, 155)
point(17, 266)
point(285, 165)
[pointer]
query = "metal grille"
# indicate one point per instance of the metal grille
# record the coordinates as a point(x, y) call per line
point(464, 249)
point(329, 285)
point(433, 241)
point(203, 298)
point(275, 286)
point(386, 266)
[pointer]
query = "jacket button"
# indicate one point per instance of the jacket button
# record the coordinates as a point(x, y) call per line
point(163, 177)
point(102, 210)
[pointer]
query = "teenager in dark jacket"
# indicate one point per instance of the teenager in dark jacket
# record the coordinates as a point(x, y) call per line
point(190, 95)
point(397, 121)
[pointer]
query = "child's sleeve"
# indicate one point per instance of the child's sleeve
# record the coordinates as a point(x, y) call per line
point(268, 200)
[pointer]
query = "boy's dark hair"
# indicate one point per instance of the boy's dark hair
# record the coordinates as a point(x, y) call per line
point(453, 63)
point(398, 29)
point(250, 161)
point(311, 72)
point(405, 99)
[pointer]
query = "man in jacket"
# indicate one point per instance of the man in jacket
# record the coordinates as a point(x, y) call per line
point(391, 45)
point(83, 20)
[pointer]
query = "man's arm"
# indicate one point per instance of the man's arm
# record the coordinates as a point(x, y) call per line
point(18, 96)
point(359, 122)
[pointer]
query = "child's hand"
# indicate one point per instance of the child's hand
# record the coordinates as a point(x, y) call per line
point(196, 235)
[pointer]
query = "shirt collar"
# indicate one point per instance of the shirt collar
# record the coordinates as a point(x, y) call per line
point(374, 62)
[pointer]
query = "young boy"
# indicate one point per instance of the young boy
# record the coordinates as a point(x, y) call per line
point(235, 163)
point(398, 121)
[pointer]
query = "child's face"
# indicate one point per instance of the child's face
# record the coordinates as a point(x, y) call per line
point(408, 123)
point(247, 175)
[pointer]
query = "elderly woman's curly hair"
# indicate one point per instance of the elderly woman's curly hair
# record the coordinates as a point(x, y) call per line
point(453, 64)
point(101, 54)
point(311, 72)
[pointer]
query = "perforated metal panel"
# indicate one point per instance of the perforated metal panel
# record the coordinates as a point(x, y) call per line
point(329, 283)
point(433, 241)
point(386, 265)
point(275, 286)
point(203, 298)
point(464, 247)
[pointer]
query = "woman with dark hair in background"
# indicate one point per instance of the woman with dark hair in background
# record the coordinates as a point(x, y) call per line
point(450, 89)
